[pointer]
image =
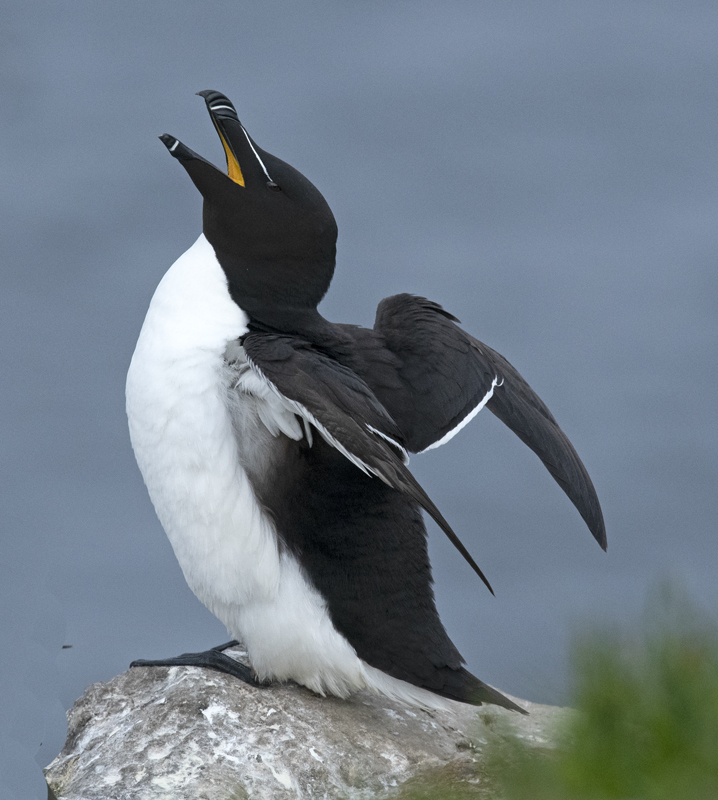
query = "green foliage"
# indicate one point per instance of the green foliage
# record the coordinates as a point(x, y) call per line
point(647, 726)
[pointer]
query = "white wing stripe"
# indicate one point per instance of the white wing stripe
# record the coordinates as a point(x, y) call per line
point(404, 454)
point(467, 419)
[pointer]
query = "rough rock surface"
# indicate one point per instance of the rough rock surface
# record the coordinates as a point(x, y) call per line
point(185, 732)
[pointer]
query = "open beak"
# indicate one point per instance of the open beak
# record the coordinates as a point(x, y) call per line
point(224, 117)
point(238, 150)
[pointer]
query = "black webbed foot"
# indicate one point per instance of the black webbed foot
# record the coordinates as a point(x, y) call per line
point(220, 647)
point(211, 659)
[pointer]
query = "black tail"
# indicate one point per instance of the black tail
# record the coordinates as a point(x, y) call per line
point(467, 688)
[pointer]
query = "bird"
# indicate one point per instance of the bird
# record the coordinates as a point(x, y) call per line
point(274, 443)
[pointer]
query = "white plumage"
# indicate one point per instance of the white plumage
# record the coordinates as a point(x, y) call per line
point(200, 418)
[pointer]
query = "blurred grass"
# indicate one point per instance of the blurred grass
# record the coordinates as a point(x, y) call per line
point(647, 727)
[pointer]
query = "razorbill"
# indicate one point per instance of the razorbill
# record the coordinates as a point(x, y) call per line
point(274, 443)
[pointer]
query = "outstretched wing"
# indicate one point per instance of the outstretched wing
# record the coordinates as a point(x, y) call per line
point(344, 410)
point(445, 377)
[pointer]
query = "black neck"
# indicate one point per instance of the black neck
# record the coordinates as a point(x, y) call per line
point(307, 324)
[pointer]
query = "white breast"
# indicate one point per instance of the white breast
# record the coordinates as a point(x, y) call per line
point(196, 416)
point(191, 431)
point(183, 438)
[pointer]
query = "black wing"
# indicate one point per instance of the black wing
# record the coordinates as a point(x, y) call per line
point(340, 405)
point(446, 376)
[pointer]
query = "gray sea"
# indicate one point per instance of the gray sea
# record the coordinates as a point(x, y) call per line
point(547, 171)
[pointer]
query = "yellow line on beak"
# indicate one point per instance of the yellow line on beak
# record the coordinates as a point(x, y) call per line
point(233, 168)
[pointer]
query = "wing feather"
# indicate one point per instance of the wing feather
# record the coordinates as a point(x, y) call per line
point(344, 410)
point(445, 377)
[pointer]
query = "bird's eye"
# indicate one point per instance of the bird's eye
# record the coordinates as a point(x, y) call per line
point(273, 186)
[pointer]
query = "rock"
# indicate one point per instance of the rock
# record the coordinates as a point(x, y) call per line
point(188, 733)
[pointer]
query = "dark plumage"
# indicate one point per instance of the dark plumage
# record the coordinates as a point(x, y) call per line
point(340, 497)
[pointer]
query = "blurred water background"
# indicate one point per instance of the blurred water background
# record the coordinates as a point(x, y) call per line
point(547, 171)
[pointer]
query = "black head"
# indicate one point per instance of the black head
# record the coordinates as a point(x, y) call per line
point(273, 232)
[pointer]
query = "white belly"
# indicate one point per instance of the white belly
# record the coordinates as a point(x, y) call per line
point(183, 439)
point(192, 431)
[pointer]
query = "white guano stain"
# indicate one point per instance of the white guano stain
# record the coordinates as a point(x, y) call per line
point(112, 776)
point(212, 711)
point(158, 753)
point(282, 777)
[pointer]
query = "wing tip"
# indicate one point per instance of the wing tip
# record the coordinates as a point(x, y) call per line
point(595, 523)
point(600, 536)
